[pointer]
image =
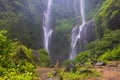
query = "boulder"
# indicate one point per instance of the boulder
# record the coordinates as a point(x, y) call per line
point(100, 64)
point(54, 73)
point(55, 78)
point(85, 71)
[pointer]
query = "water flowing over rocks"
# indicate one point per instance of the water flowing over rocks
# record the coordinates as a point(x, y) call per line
point(76, 37)
point(86, 34)
point(58, 43)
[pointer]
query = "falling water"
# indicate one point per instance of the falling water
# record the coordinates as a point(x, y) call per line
point(82, 11)
point(46, 25)
point(76, 32)
point(75, 7)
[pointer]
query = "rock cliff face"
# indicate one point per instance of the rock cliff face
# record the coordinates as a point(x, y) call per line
point(66, 15)
point(60, 47)
point(87, 35)
point(90, 31)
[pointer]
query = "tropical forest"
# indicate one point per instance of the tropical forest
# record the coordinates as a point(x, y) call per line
point(59, 39)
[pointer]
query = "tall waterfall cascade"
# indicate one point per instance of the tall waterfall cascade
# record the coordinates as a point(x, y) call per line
point(77, 31)
point(46, 25)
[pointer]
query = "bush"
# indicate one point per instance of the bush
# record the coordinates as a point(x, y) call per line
point(79, 76)
point(109, 41)
point(84, 57)
point(108, 17)
point(106, 47)
point(111, 55)
point(67, 63)
point(12, 67)
point(43, 58)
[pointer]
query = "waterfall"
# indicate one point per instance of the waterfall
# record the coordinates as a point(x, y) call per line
point(75, 8)
point(77, 32)
point(46, 25)
point(82, 7)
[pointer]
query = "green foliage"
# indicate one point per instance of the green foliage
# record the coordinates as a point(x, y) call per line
point(20, 19)
point(78, 74)
point(27, 52)
point(7, 49)
point(98, 47)
point(43, 58)
point(21, 70)
point(37, 57)
point(65, 63)
point(83, 57)
point(63, 25)
point(70, 76)
point(17, 61)
point(10, 66)
point(101, 50)
point(110, 55)
point(108, 17)
point(109, 41)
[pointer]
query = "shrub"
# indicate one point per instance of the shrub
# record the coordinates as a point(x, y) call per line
point(83, 57)
point(111, 55)
point(12, 67)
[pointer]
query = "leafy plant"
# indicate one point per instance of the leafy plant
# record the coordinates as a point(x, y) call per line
point(67, 63)
point(108, 17)
point(12, 67)
point(43, 58)
point(110, 55)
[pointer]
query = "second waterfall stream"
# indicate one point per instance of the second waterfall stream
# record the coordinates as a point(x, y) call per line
point(77, 31)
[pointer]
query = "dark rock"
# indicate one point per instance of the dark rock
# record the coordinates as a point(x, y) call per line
point(54, 73)
point(90, 31)
point(67, 69)
point(85, 71)
point(49, 79)
point(87, 35)
point(70, 68)
point(55, 78)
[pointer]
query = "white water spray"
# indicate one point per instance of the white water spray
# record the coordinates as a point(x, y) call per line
point(76, 32)
point(46, 25)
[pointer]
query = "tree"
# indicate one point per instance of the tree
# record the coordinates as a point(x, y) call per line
point(108, 17)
